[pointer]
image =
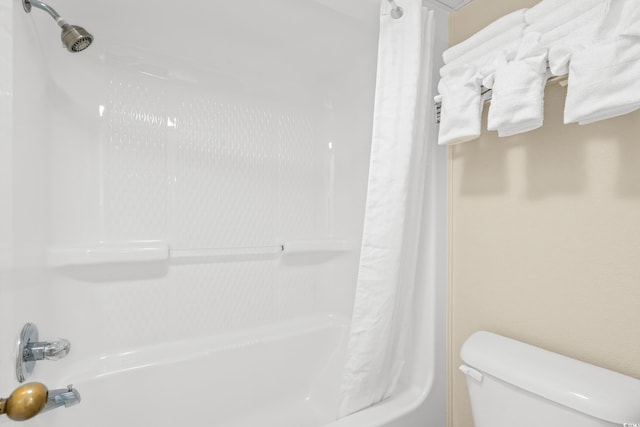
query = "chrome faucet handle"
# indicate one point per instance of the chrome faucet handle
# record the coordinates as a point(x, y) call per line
point(57, 350)
point(30, 350)
point(54, 350)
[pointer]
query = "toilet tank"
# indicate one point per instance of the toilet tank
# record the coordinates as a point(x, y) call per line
point(516, 384)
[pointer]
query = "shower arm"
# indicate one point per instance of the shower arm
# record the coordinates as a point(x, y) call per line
point(74, 37)
point(27, 4)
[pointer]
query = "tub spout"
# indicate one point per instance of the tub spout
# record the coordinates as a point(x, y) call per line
point(62, 397)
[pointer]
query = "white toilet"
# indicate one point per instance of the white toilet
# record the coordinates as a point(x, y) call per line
point(515, 384)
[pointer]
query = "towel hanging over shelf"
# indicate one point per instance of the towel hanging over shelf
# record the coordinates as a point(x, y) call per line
point(487, 94)
point(596, 43)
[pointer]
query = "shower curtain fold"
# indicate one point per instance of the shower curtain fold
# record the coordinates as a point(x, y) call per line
point(389, 253)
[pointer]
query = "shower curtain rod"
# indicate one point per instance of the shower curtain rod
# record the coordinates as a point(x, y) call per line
point(396, 11)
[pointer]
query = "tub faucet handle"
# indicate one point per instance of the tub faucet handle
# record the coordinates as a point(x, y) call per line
point(54, 350)
point(30, 349)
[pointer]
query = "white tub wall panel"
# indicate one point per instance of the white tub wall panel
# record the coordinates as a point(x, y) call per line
point(24, 290)
point(229, 163)
point(239, 147)
point(6, 126)
point(303, 191)
point(223, 298)
point(261, 35)
point(30, 167)
point(225, 175)
point(6, 189)
point(133, 158)
point(75, 101)
point(299, 288)
point(74, 88)
point(350, 123)
point(302, 184)
point(366, 11)
point(31, 146)
point(195, 300)
point(313, 197)
point(191, 301)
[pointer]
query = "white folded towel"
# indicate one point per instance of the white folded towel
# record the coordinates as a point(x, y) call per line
point(461, 106)
point(572, 36)
point(567, 11)
point(633, 19)
point(491, 31)
point(546, 10)
point(622, 17)
point(517, 102)
point(583, 25)
point(486, 52)
point(603, 81)
point(542, 9)
point(496, 60)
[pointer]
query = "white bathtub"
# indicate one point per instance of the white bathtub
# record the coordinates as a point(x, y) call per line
point(148, 186)
point(283, 375)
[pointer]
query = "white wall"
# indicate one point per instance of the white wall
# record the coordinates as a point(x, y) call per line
point(544, 234)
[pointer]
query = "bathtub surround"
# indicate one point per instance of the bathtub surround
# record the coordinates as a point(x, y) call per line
point(543, 234)
point(393, 214)
point(6, 99)
point(146, 208)
point(6, 181)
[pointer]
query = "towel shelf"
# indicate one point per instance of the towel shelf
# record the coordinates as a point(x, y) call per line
point(486, 94)
point(108, 253)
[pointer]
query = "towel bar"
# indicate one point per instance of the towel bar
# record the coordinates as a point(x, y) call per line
point(486, 94)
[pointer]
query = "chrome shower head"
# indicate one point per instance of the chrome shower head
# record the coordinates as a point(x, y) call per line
point(74, 37)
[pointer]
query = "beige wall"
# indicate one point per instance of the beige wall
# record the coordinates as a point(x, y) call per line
point(545, 234)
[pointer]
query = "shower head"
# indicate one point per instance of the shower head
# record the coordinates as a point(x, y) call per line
point(74, 37)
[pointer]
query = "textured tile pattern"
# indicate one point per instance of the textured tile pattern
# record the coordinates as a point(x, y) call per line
point(226, 168)
point(205, 170)
point(133, 154)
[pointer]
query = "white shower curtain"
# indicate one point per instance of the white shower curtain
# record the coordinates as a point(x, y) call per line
point(386, 275)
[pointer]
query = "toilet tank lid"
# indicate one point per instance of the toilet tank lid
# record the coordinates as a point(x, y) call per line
point(592, 390)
